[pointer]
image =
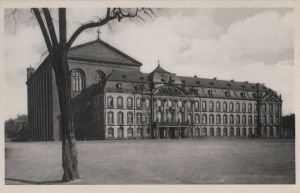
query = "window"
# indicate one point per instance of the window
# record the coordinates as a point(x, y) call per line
point(147, 103)
point(158, 116)
point(224, 119)
point(204, 119)
point(129, 102)
point(250, 108)
point(129, 117)
point(169, 116)
point(110, 132)
point(225, 107)
point(231, 131)
point(210, 93)
point(264, 119)
point(148, 118)
point(271, 120)
point(271, 108)
point(120, 132)
point(139, 118)
point(119, 86)
point(244, 132)
point(197, 118)
point(110, 117)
point(197, 132)
point(139, 132)
point(78, 80)
point(263, 107)
point(277, 119)
point(120, 101)
point(170, 103)
point(244, 119)
point(218, 119)
point(244, 108)
point(138, 103)
point(189, 118)
point(179, 117)
point(110, 101)
point(211, 119)
point(250, 120)
point(129, 132)
point(231, 107)
point(231, 120)
point(120, 118)
point(212, 132)
point(218, 106)
point(204, 105)
point(211, 106)
point(204, 131)
point(238, 119)
point(255, 119)
point(179, 104)
point(238, 132)
point(242, 94)
point(225, 132)
point(255, 107)
point(250, 131)
point(158, 102)
point(196, 105)
point(227, 93)
point(237, 107)
point(99, 76)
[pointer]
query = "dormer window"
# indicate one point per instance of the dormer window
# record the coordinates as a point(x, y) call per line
point(227, 93)
point(197, 82)
point(242, 94)
point(210, 93)
point(119, 86)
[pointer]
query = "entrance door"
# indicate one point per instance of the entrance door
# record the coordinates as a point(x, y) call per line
point(162, 133)
point(182, 132)
point(172, 132)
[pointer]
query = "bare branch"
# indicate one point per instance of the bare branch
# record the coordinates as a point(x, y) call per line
point(43, 29)
point(50, 27)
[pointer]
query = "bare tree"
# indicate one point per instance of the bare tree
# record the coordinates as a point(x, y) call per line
point(58, 47)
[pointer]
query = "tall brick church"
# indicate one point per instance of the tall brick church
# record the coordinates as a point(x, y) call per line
point(113, 99)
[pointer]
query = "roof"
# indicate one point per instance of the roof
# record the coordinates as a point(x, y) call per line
point(100, 51)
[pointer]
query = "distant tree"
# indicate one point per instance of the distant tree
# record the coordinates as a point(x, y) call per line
point(15, 129)
point(58, 47)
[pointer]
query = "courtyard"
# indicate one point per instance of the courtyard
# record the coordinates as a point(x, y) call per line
point(186, 161)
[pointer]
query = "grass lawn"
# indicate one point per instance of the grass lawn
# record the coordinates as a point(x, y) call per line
point(197, 161)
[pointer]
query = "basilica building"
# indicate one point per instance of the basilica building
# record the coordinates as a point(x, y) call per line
point(113, 99)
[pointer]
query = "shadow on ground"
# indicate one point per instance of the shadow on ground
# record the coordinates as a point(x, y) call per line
point(9, 181)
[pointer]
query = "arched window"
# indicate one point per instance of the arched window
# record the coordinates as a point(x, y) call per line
point(148, 118)
point(238, 119)
point(212, 132)
point(158, 116)
point(197, 118)
point(243, 107)
point(263, 107)
point(211, 106)
point(238, 132)
point(211, 119)
point(139, 132)
point(138, 103)
point(204, 131)
point(129, 132)
point(244, 133)
point(170, 103)
point(271, 108)
point(78, 80)
point(110, 101)
point(225, 107)
point(225, 132)
point(237, 107)
point(129, 117)
point(189, 118)
point(244, 119)
point(210, 93)
point(255, 107)
point(197, 132)
point(110, 132)
point(204, 105)
point(99, 76)
point(224, 119)
point(120, 118)
point(250, 108)
point(120, 101)
point(110, 117)
point(129, 102)
point(250, 131)
point(218, 119)
point(277, 119)
point(250, 120)
point(231, 119)
point(231, 131)
point(231, 107)
point(255, 119)
point(218, 106)
point(120, 132)
point(139, 118)
point(179, 117)
point(204, 119)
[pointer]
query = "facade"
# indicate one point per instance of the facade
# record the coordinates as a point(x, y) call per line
point(113, 99)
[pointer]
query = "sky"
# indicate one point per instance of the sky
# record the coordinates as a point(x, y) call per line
point(243, 44)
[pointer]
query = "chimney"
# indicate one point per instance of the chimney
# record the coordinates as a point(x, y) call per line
point(30, 71)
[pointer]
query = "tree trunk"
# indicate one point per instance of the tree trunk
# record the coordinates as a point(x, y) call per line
point(63, 82)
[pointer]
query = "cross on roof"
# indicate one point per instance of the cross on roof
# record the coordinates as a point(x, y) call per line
point(98, 34)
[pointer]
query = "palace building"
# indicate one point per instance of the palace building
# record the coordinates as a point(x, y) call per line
point(113, 99)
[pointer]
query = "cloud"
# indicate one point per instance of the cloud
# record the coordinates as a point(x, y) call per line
point(257, 47)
